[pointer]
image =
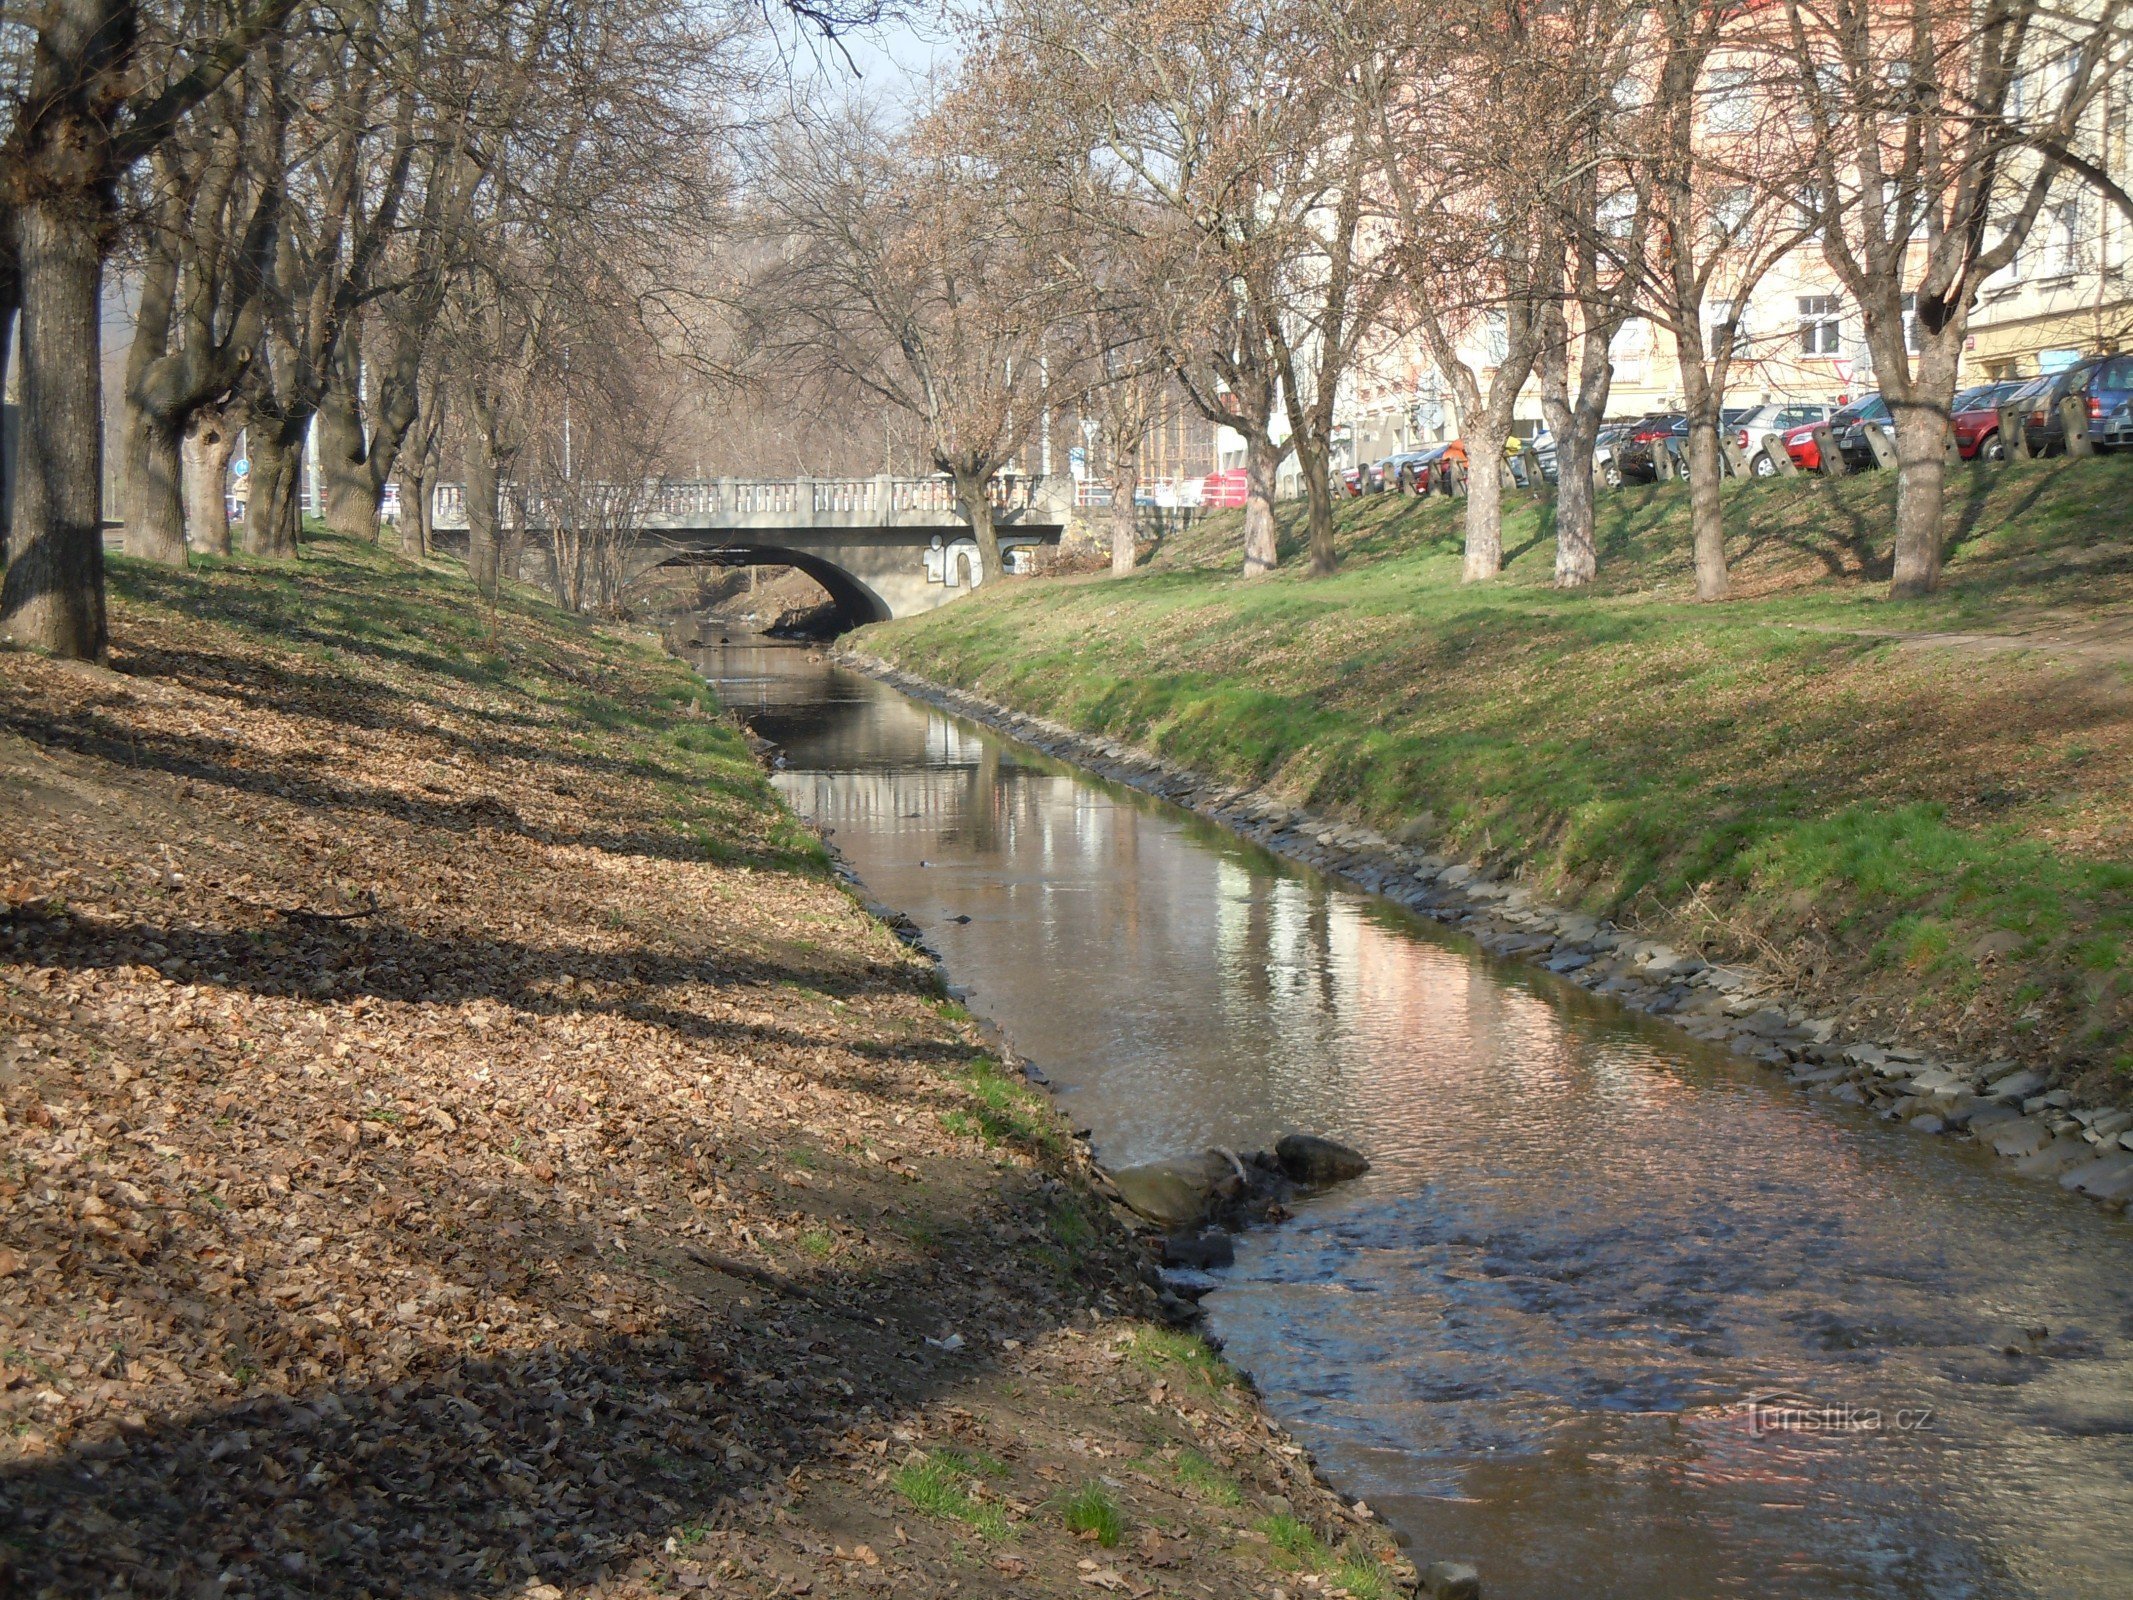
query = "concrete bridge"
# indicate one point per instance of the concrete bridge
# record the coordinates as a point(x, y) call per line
point(883, 547)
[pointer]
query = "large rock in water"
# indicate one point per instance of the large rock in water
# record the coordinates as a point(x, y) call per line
point(1180, 1191)
point(1310, 1159)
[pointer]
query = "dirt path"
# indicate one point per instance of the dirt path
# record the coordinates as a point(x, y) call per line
point(2085, 636)
point(456, 1140)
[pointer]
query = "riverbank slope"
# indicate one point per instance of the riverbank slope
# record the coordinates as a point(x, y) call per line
point(1918, 817)
point(458, 1138)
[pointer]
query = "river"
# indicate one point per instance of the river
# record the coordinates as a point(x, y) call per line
point(1614, 1314)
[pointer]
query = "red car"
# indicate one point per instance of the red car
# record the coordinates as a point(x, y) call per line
point(1847, 428)
point(1975, 417)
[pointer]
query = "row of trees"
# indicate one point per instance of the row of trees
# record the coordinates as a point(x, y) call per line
point(414, 231)
point(366, 223)
point(1248, 199)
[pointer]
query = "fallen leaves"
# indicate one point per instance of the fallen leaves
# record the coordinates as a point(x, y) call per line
point(536, 1210)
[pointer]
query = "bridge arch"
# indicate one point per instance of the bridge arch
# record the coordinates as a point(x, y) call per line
point(857, 604)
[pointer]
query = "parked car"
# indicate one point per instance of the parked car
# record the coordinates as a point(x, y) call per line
point(1398, 470)
point(2105, 386)
point(1544, 450)
point(1414, 472)
point(1223, 489)
point(1357, 479)
point(1848, 428)
point(1605, 448)
point(1751, 425)
point(1633, 455)
point(1975, 419)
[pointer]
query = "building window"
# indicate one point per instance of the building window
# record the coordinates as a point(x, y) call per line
point(1732, 100)
point(1618, 214)
point(1728, 322)
point(1820, 322)
point(1729, 209)
point(2062, 239)
point(1910, 323)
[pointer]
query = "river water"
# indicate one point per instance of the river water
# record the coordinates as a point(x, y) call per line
point(1536, 1334)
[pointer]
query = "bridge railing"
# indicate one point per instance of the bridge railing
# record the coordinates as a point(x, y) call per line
point(708, 499)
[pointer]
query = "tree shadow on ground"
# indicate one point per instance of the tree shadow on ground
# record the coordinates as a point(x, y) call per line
point(320, 960)
point(248, 769)
point(448, 1474)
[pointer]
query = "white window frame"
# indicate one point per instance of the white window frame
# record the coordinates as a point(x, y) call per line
point(1821, 326)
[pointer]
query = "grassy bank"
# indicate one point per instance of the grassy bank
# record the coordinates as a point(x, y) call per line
point(457, 1138)
point(1919, 812)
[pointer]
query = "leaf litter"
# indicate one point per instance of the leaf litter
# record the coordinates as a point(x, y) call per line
point(457, 1139)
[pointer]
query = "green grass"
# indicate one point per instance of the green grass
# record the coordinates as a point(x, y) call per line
point(1364, 1576)
point(1770, 773)
point(1206, 1480)
point(1169, 1353)
point(1003, 1109)
point(540, 676)
point(1293, 1537)
point(940, 1487)
point(1354, 1567)
point(1091, 1509)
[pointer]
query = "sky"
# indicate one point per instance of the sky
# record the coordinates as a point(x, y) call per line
point(888, 59)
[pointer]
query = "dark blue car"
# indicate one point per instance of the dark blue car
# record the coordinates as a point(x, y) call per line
point(2104, 384)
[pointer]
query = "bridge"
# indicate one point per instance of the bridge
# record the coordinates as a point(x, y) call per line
point(882, 547)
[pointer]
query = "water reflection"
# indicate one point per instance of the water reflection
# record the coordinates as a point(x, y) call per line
point(1528, 1335)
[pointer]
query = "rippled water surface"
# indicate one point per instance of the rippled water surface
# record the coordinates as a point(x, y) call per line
point(1533, 1336)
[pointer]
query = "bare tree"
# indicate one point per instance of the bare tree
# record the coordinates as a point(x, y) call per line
point(99, 92)
point(1216, 141)
point(1720, 188)
point(896, 273)
point(1934, 136)
point(598, 434)
point(1466, 156)
point(211, 220)
point(1603, 217)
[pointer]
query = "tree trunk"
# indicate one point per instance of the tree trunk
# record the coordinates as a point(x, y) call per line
point(1577, 557)
point(351, 492)
point(1261, 462)
point(1707, 520)
point(149, 467)
point(1576, 428)
point(971, 490)
point(1125, 528)
point(483, 544)
point(10, 305)
point(209, 443)
point(53, 595)
point(273, 513)
point(1484, 508)
point(1318, 500)
point(150, 484)
point(415, 510)
point(1922, 461)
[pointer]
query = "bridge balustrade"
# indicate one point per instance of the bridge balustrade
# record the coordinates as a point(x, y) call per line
point(682, 500)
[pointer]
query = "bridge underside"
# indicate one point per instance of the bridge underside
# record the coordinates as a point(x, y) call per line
point(857, 605)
